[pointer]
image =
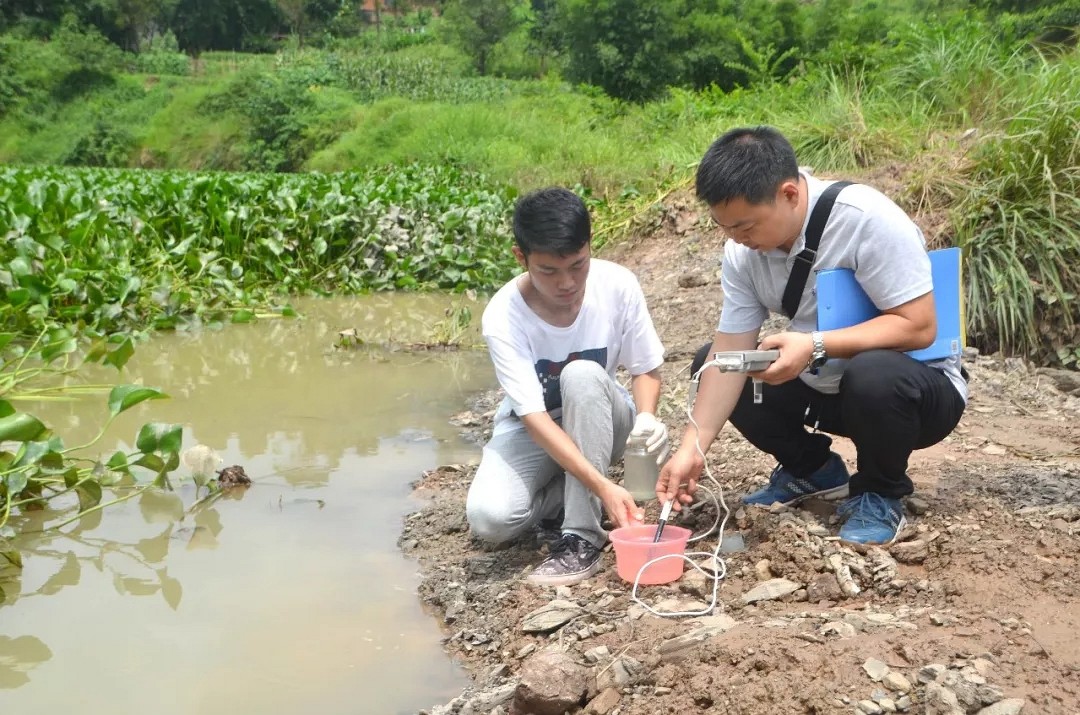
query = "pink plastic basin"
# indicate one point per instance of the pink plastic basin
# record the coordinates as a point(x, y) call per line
point(634, 548)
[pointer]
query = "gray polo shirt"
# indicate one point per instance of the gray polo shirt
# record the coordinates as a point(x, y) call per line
point(867, 233)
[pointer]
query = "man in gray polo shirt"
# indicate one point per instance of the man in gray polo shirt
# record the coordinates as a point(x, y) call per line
point(855, 382)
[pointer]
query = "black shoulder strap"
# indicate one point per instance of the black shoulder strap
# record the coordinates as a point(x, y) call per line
point(800, 270)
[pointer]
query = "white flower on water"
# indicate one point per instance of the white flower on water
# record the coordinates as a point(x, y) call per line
point(202, 461)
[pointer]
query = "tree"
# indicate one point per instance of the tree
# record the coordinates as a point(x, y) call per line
point(295, 12)
point(476, 26)
point(544, 39)
point(224, 24)
point(137, 19)
point(630, 48)
point(303, 14)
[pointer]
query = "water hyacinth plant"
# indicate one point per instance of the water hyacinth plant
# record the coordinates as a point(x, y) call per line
point(37, 467)
point(110, 250)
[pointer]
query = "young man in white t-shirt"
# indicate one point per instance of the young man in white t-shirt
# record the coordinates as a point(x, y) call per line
point(556, 335)
point(855, 382)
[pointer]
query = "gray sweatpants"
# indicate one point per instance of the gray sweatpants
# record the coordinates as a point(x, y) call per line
point(517, 484)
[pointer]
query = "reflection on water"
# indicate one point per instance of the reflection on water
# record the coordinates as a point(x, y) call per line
point(287, 596)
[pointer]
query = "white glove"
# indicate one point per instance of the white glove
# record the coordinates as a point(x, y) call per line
point(655, 432)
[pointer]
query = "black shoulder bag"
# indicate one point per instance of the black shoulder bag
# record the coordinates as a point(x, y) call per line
point(804, 261)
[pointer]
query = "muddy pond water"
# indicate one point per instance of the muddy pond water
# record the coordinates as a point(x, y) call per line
point(290, 597)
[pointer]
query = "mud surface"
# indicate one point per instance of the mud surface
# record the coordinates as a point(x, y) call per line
point(975, 610)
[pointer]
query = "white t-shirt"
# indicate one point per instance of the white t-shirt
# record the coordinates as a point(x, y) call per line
point(613, 328)
point(867, 233)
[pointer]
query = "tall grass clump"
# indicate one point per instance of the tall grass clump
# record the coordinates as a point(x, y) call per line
point(1018, 217)
point(846, 123)
point(958, 71)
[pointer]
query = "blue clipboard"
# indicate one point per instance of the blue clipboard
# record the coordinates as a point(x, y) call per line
point(841, 303)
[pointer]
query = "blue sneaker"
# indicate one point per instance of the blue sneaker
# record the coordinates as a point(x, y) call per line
point(828, 482)
point(871, 519)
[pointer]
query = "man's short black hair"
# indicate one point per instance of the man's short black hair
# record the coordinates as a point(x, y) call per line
point(552, 220)
point(746, 163)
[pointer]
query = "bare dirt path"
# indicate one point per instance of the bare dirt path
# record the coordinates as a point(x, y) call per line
point(976, 610)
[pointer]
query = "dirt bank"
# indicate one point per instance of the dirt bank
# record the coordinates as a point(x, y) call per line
point(977, 609)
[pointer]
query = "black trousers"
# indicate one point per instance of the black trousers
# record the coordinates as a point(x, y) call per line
point(889, 405)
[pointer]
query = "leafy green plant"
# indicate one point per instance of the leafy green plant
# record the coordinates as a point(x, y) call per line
point(36, 466)
point(761, 65)
point(454, 329)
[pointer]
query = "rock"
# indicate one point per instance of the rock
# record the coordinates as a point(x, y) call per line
point(549, 617)
point(989, 694)
point(966, 690)
point(454, 611)
point(876, 669)
point(720, 620)
point(604, 703)
point(682, 646)
point(887, 705)
point(880, 619)
point(680, 605)
point(564, 593)
point(994, 450)
point(551, 684)
point(487, 701)
point(1012, 706)
point(839, 629)
point(626, 671)
point(917, 506)
point(496, 674)
point(939, 700)
point(770, 590)
point(599, 654)
point(930, 673)
point(711, 566)
point(869, 707)
point(882, 565)
point(910, 552)
point(693, 280)
point(896, 681)
point(761, 568)
point(843, 575)
point(1068, 381)
point(824, 587)
point(903, 704)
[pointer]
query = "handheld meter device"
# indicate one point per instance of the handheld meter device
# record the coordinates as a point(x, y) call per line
point(745, 360)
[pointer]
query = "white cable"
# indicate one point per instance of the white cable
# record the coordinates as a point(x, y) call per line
point(719, 563)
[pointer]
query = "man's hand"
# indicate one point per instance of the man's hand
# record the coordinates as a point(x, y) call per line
point(795, 351)
point(679, 478)
point(656, 435)
point(620, 506)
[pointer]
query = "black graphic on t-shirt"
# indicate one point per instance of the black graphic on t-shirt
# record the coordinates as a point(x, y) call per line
point(548, 371)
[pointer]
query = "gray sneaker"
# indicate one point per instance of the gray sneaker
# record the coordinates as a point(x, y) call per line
point(572, 560)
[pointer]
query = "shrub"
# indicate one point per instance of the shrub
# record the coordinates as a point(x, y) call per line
point(106, 144)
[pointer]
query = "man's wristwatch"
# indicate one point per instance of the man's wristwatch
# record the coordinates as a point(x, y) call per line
point(819, 356)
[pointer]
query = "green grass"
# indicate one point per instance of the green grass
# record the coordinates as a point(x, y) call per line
point(1018, 217)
